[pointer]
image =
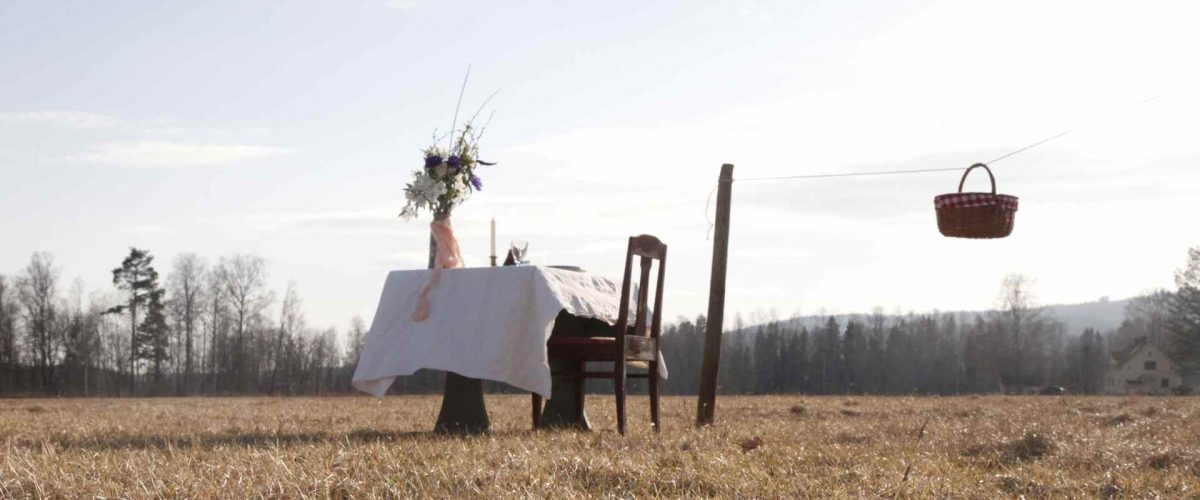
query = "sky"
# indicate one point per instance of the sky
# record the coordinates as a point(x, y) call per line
point(287, 130)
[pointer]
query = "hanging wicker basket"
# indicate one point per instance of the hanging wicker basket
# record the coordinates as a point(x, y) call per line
point(975, 215)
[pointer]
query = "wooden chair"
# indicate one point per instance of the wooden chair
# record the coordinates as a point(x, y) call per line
point(631, 343)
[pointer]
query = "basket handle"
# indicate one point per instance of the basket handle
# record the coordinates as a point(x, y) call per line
point(972, 167)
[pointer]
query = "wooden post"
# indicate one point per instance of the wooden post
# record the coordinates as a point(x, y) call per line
point(706, 406)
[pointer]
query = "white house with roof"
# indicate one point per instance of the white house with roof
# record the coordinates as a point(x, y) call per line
point(1141, 368)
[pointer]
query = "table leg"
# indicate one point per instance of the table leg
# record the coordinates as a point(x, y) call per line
point(463, 410)
point(565, 408)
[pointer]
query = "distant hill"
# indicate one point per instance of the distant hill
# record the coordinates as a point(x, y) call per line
point(1103, 315)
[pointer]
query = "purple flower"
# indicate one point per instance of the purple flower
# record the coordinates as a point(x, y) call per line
point(453, 161)
point(432, 161)
point(477, 182)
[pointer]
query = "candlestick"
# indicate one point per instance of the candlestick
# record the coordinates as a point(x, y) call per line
point(493, 247)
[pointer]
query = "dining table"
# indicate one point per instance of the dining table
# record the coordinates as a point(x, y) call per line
point(486, 323)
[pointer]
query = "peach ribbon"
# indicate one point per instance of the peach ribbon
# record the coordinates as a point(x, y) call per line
point(447, 256)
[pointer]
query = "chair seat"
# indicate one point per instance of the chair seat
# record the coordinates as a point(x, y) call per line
point(582, 341)
point(601, 348)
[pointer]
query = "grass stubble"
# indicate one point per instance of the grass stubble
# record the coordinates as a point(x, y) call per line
point(762, 446)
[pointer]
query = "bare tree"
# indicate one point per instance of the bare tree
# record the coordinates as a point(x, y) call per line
point(215, 318)
point(1146, 316)
point(77, 340)
point(114, 340)
point(8, 337)
point(1030, 334)
point(291, 320)
point(184, 286)
point(37, 291)
point(324, 360)
point(355, 338)
point(244, 279)
point(91, 342)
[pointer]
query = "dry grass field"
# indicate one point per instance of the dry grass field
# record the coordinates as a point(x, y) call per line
point(766, 446)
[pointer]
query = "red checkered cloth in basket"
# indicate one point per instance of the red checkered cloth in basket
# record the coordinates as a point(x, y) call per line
point(961, 200)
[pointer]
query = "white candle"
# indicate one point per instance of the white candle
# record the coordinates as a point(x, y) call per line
point(493, 254)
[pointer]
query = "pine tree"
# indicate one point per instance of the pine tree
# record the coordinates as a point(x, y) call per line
point(948, 357)
point(803, 360)
point(898, 378)
point(826, 365)
point(137, 277)
point(855, 356)
point(873, 376)
point(153, 336)
point(1091, 360)
point(763, 361)
point(795, 358)
point(924, 340)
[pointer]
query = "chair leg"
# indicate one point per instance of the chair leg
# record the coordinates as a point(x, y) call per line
point(619, 381)
point(537, 411)
point(580, 390)
point(653, 380)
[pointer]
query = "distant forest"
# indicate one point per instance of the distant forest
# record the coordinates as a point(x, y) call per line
point(207, 328)
point(214, 328)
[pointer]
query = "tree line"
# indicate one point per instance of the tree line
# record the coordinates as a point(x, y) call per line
point(207, 328)
point(1016, 347)
point(214, 328)
point(878, 354)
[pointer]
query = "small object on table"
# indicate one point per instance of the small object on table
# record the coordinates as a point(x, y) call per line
point(492, 248)
point(519, 251)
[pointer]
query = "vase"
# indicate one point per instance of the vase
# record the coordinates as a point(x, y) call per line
point(443, 245)
point(443, 254)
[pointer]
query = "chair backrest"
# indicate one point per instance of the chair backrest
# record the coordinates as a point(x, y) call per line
point(647, 249)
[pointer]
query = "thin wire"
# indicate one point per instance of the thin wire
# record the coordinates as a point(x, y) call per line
point(708, 203)
point(926, 170)
point(1034, 145)
point(1065, 132)
point(708, 234)
point(852, 174)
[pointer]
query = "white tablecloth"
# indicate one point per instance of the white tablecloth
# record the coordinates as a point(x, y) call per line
point(488, 323)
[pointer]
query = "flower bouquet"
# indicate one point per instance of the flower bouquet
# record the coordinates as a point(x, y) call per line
point(447, 179)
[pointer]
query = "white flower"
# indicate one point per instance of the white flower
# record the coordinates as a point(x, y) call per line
point(426, 189)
